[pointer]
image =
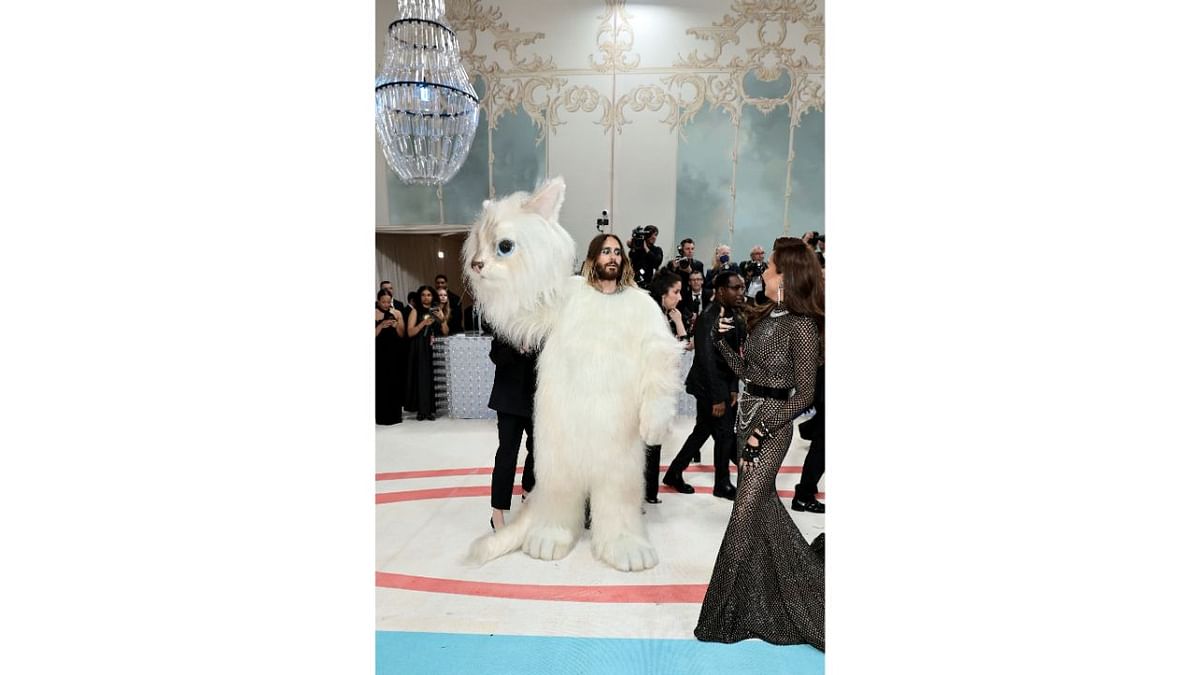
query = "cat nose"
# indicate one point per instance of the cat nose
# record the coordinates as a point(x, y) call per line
point(477, 265)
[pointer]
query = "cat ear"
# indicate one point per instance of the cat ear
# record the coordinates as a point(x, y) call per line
point(548, 200)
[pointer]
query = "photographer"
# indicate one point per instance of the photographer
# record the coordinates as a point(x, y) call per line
point(752, 270)
point(685, 263)
point(644, 255)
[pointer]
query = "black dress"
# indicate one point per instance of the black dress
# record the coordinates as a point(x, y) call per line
point(391, 351)
point(420, 369)
point(769, 583)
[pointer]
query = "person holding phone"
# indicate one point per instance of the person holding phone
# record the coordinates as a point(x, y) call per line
point(424, 322)
point(390, 366)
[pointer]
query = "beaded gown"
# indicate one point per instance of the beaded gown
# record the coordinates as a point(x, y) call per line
point(768, 582)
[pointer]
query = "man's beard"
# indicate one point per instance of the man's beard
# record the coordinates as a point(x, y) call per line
point(606, 274)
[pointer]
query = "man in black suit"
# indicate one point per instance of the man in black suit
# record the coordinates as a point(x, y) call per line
point(695, 295)
point(512, 399)
point(716, 388)
point(813, 430)
point(695, 299)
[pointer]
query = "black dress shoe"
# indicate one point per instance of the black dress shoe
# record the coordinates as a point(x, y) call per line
point(726, 491)
point(804, 505)
point(676, 482)
point(653, 500)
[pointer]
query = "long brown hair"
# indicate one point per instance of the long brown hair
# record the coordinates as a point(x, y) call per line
point(591, 274)
point(803, 283)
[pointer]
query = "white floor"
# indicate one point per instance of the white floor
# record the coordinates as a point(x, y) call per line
point(428, 538)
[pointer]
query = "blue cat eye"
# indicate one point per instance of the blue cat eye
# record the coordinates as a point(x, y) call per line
point(506, 247)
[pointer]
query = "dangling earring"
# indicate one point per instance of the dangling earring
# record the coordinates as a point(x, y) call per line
point(779, 293)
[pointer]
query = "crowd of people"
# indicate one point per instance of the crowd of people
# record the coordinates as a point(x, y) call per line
point(404, 333)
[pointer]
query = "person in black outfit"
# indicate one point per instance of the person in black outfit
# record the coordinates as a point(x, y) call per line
point(686, 263)
point(665, 290)
point(454, 312)
point(715, 387)
point(813, 430)
point(440, 282)
point(512, 399)
point(720, 263)
point(397, 303)
point(391, 350)
point(424, 323)
point(645, 258)
point(696, 298)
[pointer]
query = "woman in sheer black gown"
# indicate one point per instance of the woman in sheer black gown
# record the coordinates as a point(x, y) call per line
point(768, 582)
point(391, 351)
point(424, 323)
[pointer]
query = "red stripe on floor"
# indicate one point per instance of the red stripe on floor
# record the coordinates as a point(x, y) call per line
point(487, 471)
point(486, 491)
point(648, 593)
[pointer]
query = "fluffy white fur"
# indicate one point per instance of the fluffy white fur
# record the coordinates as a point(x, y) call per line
point(608, 381)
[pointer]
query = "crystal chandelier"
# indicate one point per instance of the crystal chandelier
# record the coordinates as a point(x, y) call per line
point(426, 110)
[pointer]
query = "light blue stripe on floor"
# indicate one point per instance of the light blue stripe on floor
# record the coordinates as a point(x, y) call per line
point(403, 653)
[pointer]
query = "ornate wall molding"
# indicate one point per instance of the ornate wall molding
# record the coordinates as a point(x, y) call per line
point(615, 24)
point(531, 82)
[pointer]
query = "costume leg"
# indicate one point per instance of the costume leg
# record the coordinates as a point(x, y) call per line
point(618, 533)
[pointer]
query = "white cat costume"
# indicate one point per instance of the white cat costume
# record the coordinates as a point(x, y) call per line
point(607, 383)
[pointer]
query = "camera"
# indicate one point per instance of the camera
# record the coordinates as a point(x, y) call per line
point(640, 234)
point(755, 268)
point(602, 221)
point(683, 264)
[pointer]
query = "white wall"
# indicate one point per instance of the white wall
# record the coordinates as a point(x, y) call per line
point(611, 84)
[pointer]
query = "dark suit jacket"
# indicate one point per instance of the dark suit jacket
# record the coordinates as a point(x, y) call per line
point(516, 379)
point(710, 377)
point(687, 306)
point(705, 293)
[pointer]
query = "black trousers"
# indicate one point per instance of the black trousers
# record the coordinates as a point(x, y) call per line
point(653, 457)
point(720, 429)
point(814, 468)
point(510, 429)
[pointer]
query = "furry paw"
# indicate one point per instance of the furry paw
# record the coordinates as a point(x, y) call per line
point(548, 542)
point(627, 553)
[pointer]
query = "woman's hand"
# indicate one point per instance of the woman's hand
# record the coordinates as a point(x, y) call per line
point(748, 464)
